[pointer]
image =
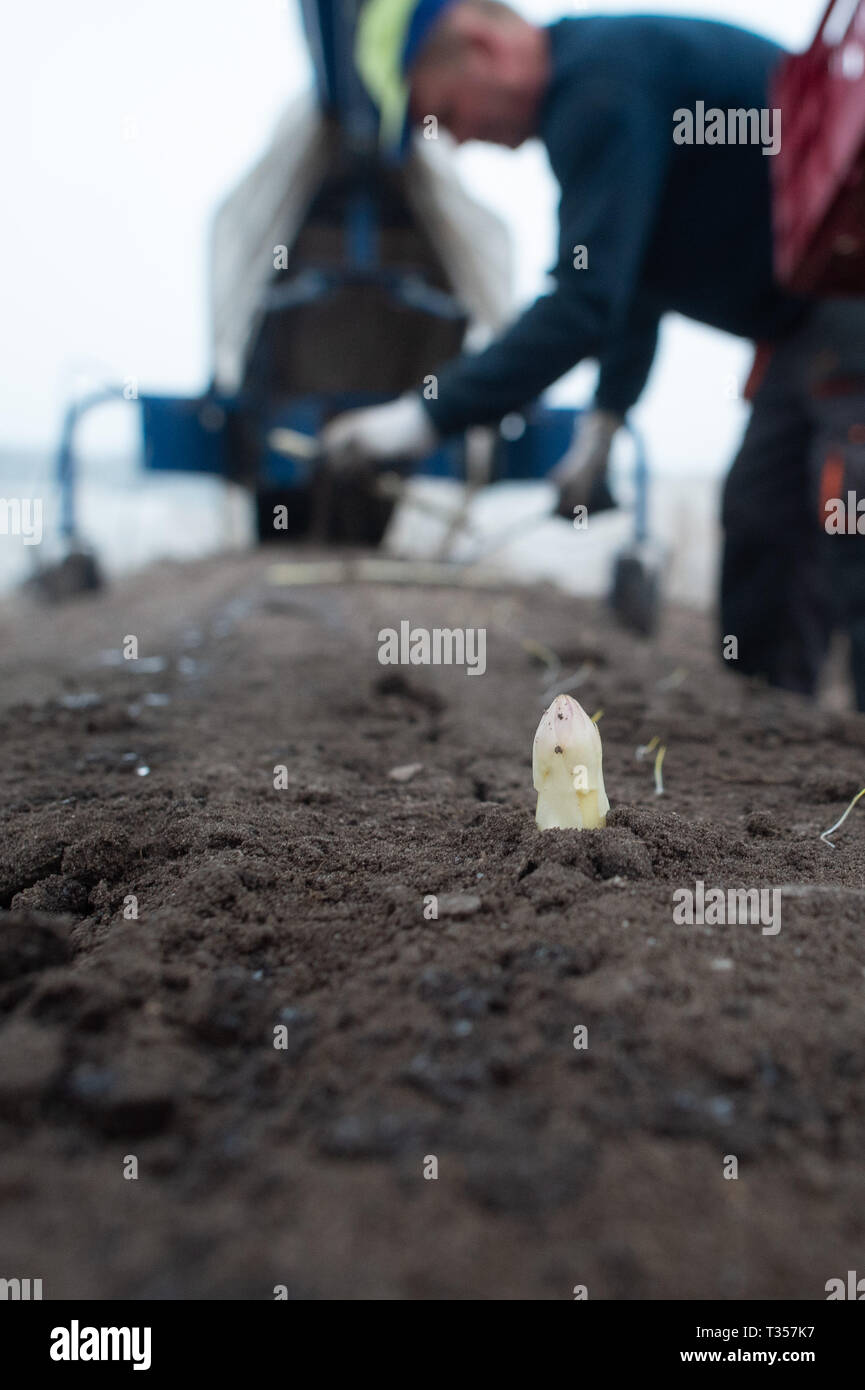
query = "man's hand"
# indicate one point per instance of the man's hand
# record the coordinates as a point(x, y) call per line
point(400, 429)
point(582, 473)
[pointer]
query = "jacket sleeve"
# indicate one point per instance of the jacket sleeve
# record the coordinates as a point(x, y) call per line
point(611, 157)
point(627, 360)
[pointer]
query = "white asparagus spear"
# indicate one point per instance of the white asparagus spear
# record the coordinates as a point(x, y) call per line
point(567, 771)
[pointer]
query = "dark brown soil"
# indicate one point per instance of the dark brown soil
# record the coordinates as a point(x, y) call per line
point(404, 1037)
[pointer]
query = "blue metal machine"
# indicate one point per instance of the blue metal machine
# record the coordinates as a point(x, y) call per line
point(342, 255)
point(229, 436)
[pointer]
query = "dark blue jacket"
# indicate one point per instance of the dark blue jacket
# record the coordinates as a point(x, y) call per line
point(668, 227)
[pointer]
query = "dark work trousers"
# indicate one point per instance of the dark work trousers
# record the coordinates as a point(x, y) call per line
point(785, 580)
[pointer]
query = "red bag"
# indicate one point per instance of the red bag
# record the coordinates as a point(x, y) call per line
point(819, 171)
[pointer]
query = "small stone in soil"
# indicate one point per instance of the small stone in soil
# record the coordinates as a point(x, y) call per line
point(405, 772)
point(458, 904)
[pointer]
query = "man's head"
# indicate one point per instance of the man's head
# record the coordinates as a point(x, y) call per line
point(482, 72)
point(476, 65)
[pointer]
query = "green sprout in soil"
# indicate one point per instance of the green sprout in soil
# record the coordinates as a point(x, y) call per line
point(839, 823)
point(659, 781)
point(567, 769)
point(644, 750)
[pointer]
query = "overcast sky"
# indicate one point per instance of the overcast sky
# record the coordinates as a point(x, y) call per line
point(123, 126)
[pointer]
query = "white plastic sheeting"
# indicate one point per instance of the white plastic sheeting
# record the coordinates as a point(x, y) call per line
point(267, 210)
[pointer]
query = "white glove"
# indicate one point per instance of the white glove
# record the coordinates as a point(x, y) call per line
point(586, 460)
point(399, 429)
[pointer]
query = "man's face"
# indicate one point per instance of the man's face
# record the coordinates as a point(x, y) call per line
point(488, 88)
